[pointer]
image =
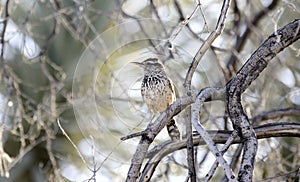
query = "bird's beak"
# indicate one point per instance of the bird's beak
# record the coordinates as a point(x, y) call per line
point(137, 63)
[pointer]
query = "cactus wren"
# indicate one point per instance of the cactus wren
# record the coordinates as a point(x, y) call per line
point(158, 91)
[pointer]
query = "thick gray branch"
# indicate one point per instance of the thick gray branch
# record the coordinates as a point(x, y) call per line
point(150, 133)
point(206, 93)
point(219, 137)
point(154, 128)
point(224, 149)
point(281, 129)
point(248, 73)
point(274, 44)
point(256, 63)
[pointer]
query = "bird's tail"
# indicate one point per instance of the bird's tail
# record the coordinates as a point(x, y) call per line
point(173, 130)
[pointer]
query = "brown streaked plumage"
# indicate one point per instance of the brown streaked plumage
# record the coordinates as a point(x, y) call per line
point(158, 91)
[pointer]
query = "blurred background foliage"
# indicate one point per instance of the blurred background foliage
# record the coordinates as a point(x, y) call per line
point(63, 57)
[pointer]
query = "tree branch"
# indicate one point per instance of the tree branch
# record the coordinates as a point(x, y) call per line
point(248, 73)
point(241, 39)
point(206, 45)
point(219, 137)
point(225, 147)
point(280, 129)
point(207, 93)
point(189, 145)
point(5, 22)
point(154, 128)
point(151, 131)
point(276, 113)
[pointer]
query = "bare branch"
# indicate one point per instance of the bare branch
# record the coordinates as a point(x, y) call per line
point(207, 93)
point(5, 21)
point(152, 131)
point(133, 135)
point(72, 143)
point(190, 146)
point(276, 113)
point(184, 21)
point(241, 39)
point(154, 128)
point(154, 9)
point(206, 44)
point(224, 149)
point(5, 159)
point(219, 137)
point(281, 129)
point(249, 72)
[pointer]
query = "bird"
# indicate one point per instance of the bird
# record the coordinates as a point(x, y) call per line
point(158, 91)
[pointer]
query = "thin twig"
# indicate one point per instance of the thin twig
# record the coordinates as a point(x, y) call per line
point(241, 39)
point(276, 113)
point(70, 140)
point(133, 135)
point(204, 47)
